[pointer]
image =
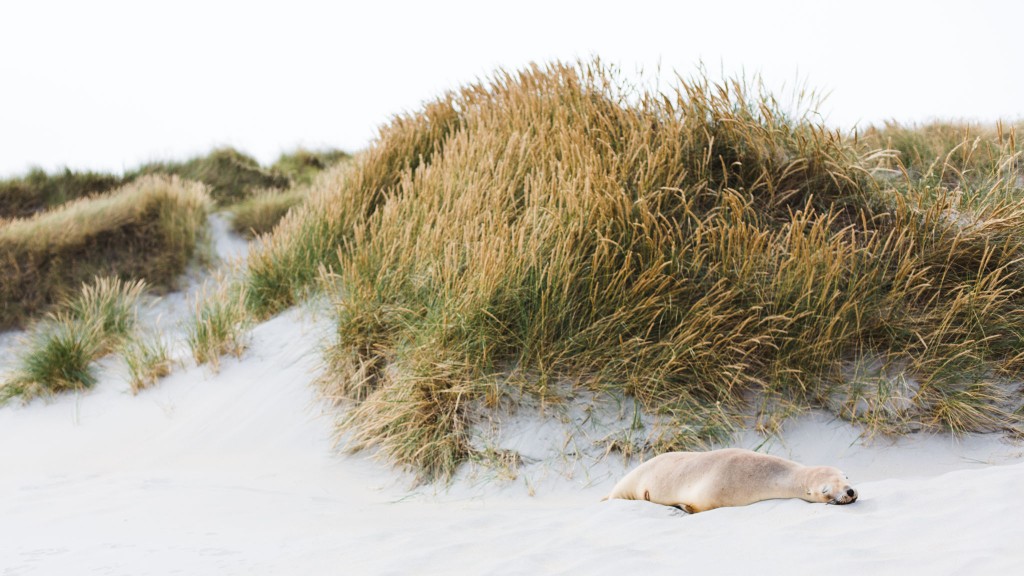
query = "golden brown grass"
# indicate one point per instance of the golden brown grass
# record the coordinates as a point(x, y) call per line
point(705, 251)
point(148, 358)
point(148, 229)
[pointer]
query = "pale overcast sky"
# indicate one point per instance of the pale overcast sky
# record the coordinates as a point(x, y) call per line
point(107, 85)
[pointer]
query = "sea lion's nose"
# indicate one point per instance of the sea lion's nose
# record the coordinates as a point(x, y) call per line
point(850, 492)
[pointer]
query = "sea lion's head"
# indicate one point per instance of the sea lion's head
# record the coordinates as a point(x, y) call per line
point(830, 485)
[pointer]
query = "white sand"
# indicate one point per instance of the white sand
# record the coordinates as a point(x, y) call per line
point(235, 473)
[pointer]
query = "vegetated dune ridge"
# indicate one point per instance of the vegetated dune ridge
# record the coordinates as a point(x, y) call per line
point(234, 473)
point(149, 228)
point(707, 252)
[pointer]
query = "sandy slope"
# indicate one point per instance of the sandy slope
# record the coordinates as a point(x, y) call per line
point(235, 473)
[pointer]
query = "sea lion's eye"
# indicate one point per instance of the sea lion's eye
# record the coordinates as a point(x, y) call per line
point(825, 490)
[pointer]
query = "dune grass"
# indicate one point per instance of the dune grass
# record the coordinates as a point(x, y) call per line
point(263, 209)
point(148, 229)
point(229, 174)
point(148, 358)
point(220, 323)
point(38, 191)
point(343, 195)
point(713, 255)
point(109, 303)
point(259, 213)
point(951, 153)
point(60, 350)
point(301, 166)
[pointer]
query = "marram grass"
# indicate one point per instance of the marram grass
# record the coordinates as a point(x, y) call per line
point(704, 250)
point(956, 154)
point(228, 174)
point(110, 304)
point(219, 325)
point(148, 358)
point(59, 352)
point(259, 213)
point(264, 209)
point(149, 229)
point(38, 191)
point(301, 166)
point(58, 359)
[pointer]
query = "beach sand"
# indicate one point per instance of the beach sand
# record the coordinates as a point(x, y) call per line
point(238, 472)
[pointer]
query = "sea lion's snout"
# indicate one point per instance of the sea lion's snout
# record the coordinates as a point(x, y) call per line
point(849, 496)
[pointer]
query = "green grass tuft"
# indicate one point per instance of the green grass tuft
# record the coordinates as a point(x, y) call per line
point(60, 350)
point(58, 360)
point(220, 323)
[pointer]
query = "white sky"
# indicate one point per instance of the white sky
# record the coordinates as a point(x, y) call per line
point(107, 85)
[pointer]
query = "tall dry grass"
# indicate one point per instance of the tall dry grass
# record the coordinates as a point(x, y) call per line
point(286, 265)
point(148, 229)
point(705, 250)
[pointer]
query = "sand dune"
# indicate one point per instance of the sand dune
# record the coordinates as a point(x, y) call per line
point(235, 473)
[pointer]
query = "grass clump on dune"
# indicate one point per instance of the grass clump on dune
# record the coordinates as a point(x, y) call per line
point(705, 251)
point(109, 303)
point(148, 229)
point(219, 325)
point(229, 174)
point(262, 211)
point(148, 358)
point(60, 350)
point(302, 166)
point(38, 191)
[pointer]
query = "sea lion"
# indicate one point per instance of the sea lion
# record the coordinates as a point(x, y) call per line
point(701, 481)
